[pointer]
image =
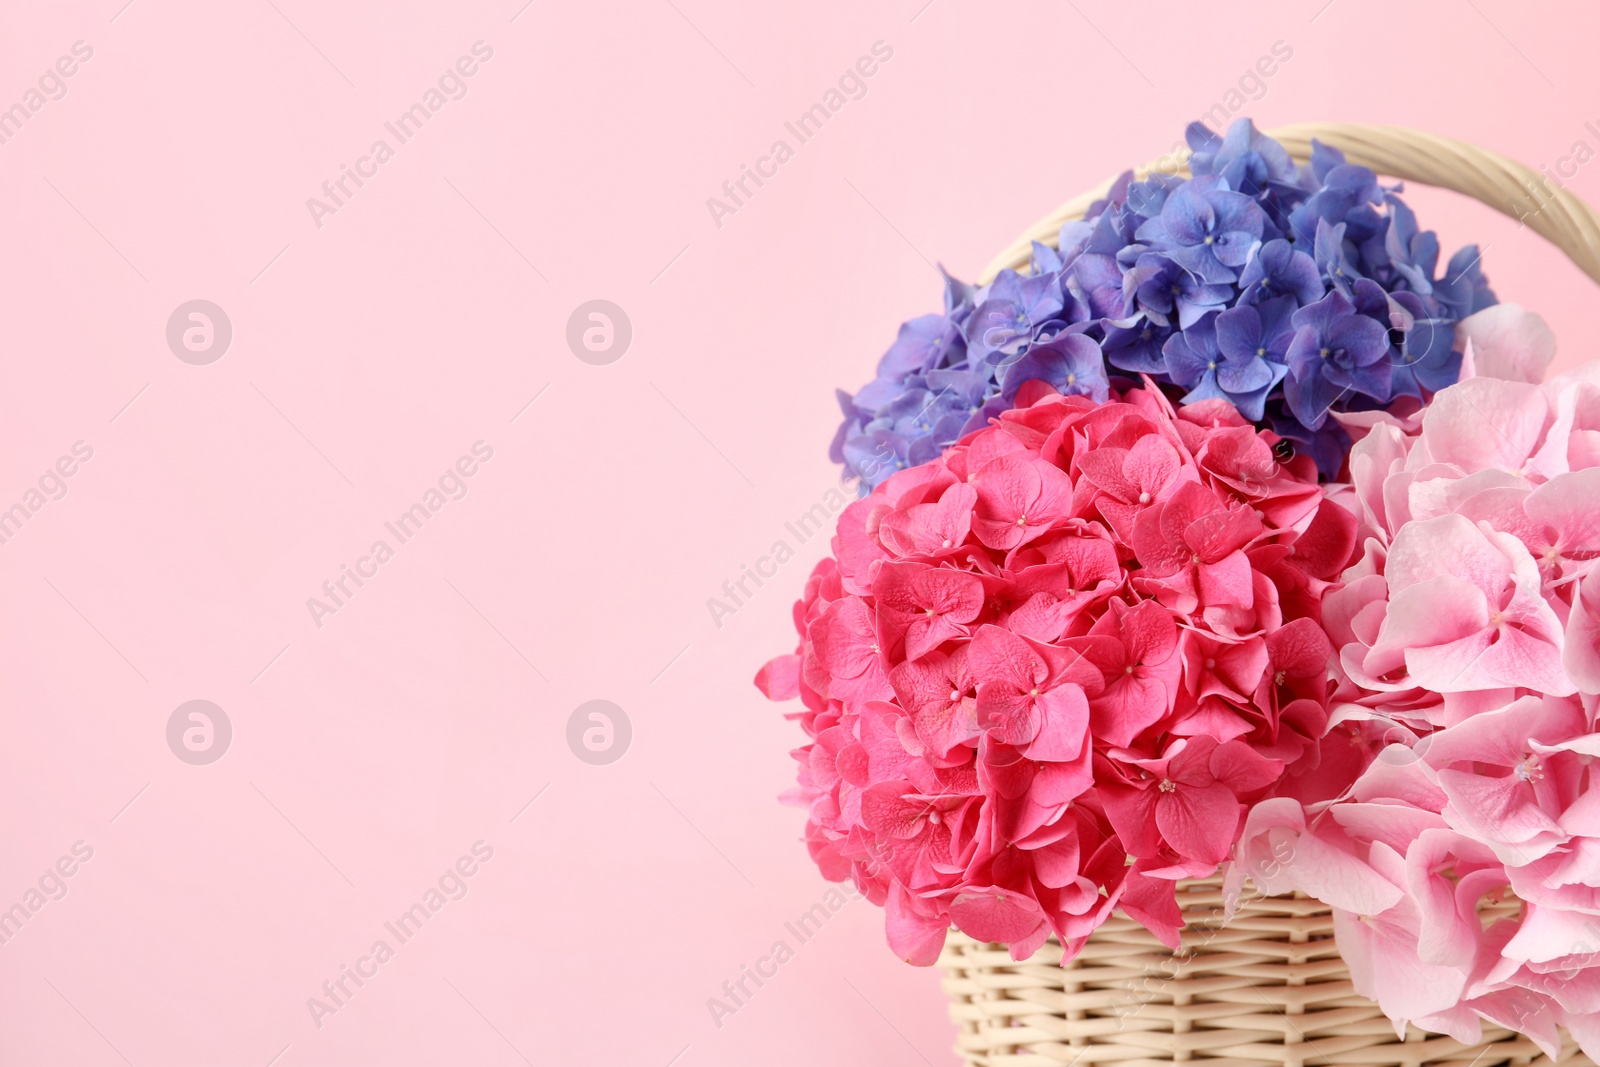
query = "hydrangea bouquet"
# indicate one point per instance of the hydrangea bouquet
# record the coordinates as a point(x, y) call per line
point(1230, 538)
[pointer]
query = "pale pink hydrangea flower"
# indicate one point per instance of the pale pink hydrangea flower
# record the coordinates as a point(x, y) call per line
point(1464, 863)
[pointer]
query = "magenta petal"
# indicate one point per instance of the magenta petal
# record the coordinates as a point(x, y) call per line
point(1152, 902)
point(1227, 581)
point(888, 809)
point(998, 915)
point(780, 678)
point(1132, 813)
point(1013, 717)
point(1056, 864)
point(1055, 784)
point(1151, 465)
point(927, 634)
point(1064, 726)
point(1129, 704)
point(913, 936)
point(1199, 821)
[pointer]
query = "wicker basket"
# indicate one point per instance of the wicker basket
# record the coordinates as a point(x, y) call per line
point(1269, 988)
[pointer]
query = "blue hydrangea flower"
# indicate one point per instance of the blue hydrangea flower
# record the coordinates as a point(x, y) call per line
point(1328, 445)
point(1464, 290)
point(1017, 306)
point(1166, 290)
point(1336, 351)
point(1206, 229)
point(1197, 361)
point(1279, 269)
point(1071, 362)
point(1427, 360)
point(1295, 292)
point(1413, 253)
point(924, 342)
point(1135, 344)
point(1333, 260)
point(1250, 162)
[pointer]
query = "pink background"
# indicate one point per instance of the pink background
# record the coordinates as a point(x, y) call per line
point(372, 752)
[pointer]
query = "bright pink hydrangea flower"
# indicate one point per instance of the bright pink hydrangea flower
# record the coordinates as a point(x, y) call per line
point(1464, 863)
point(1045, 675)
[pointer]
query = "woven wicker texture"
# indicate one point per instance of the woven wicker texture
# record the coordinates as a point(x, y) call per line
point(1269, 988)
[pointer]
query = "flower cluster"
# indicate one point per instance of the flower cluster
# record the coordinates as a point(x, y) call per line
point(1291, 292)
point(1464, 863)
point(1045, 674)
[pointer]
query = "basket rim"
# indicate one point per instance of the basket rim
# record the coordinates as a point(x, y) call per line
point(1558, 215)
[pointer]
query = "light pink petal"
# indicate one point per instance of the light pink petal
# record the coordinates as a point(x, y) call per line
point(1485, 422)
point(1585, 1030)
point(1502, 737)
point(1524, 1011)
point(1474, 496)
point(1450, 545)
point(1340, 878)
point(1581, 654)
point(1396, 825)
point(1571, 443)
point(1372, 460)
point(1445, 936)
point(1436, 611)
point(1396, 777)
point(1384, 965)
point(1570, 505)
point(1500, 810)
point(1508, 342)
point(1493, 659)
point(1549, 934)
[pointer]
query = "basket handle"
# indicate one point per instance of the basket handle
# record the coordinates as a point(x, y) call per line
point(1411, 155)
